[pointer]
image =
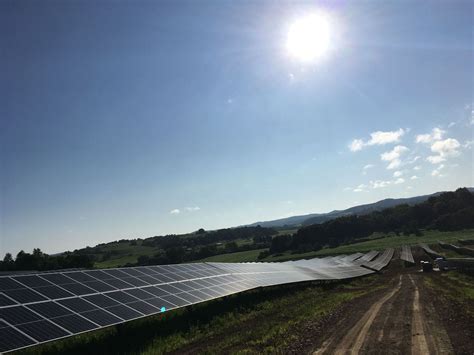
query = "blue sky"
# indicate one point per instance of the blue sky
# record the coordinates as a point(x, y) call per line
point(133, 119)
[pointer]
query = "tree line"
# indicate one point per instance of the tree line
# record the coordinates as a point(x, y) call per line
point(448, 211)
point(40, 261)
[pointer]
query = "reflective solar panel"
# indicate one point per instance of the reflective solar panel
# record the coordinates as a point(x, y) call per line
point(42, 307)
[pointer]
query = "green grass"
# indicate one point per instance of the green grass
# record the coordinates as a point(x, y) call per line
point(241, 256)
point(126, 253)
point(454, 285)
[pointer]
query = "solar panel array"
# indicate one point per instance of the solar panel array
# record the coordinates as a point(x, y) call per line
point(406, 254)
point(41, 307)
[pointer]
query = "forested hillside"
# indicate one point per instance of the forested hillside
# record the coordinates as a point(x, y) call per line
point(448, 211)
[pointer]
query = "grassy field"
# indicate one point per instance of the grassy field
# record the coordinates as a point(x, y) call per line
point(124, 253)
point(455, 286)
point(255, 322)
point(241, 256)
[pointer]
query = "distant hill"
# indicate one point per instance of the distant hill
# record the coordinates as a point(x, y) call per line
point(316, 218)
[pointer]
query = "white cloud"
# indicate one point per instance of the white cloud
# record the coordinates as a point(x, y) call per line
point(417, 167)
point(360, 188)
point(414, 177)
point(468, 144)
point(435, 135)
point(414, 159)
point(444, 149)
point(175, 211)
point(435, 159)
point(399, 181)
point(356, 145)
point(397, 173)
point(437, 171)
point(451, 124)
point(378, 138)
point(393, 156)
point(377, 184)
point(367, 167)
point(448, 147)
point(192, 209)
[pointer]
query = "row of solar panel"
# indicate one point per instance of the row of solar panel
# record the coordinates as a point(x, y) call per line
point(24, 325)
point(41, 287)
point(42, 307)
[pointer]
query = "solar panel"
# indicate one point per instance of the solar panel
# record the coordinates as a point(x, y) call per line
point(381, 261)
point(46, 306)
point(406, 254)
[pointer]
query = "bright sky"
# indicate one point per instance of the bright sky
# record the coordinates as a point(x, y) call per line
point(139, 118)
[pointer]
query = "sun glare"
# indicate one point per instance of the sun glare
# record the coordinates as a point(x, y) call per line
point(309, 37)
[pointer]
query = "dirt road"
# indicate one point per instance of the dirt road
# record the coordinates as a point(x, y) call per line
point(396, 322)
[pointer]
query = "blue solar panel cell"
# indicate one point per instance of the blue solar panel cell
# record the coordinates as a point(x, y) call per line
point(6, 283)
point(101, 300)
point(101, 317)
point(32, 281)
point(11, 338)
point(17, 315)
point(53, 292)
point(24, 295)
point(119, 284)
point(42, 330)
point(49, 309)
point(5, 301)
point(143, 307)
point(75, 323)
point(121, 297)
point(78, 289)
point(124, 312)
point(77, 305)
point(99, 286)
point(139, 293)
point(57, 279)
point(176, 300)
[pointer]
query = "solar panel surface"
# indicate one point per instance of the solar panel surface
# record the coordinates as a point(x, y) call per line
point(47, 306)
point(406, 254)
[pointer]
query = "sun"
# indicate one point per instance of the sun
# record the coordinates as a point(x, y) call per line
point(309, 37)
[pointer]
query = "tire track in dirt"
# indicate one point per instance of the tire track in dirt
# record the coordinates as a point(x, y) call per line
point(355, 338)
point(397, 322)
point(428, 333)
